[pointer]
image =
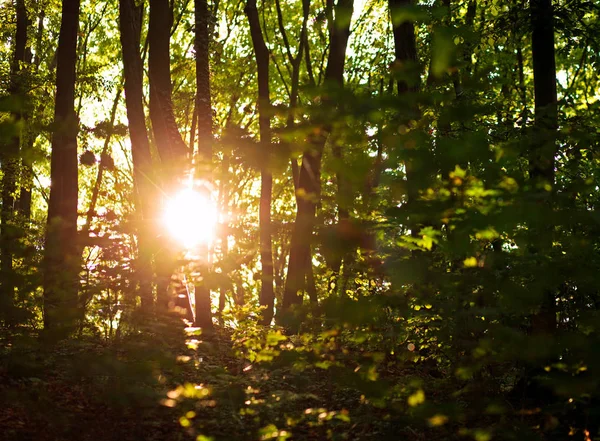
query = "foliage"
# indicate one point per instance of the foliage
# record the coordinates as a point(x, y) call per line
point(424, 316)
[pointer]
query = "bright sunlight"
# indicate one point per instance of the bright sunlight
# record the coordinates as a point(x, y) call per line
point(190, 218)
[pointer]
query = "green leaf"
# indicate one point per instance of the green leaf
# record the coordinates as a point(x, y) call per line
point(417, 398)
point(470, 262)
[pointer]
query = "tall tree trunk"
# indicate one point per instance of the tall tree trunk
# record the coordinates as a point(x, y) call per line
point(205, 140)
point(343, 186)
point(203, 88)
point(405, 51)
point(61, 264)
point(405, 48)
point(85, 229)
point(543, 149)
point(170, 146)
point(26, 182)
point(223, 233)
point(309, 181)
point(296, 62)
point(267, 293)
point(130, 24)
point(10, 162)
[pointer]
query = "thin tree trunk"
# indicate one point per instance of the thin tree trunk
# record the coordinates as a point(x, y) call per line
point(294, 93)
point(522, 88)
point(26, 183)
point(406, 59)
point(61, 260)
point(267, 292)
point(130, 24)
point(223, 206)
point(205, 140)
point(311, 286)
point(10, 162)
point(309, 182)
point(96, 190)
point(170, 146)
point(405, 48)
point(543, 150)
point(203, 92)
point(192, 146)
point(342, 184)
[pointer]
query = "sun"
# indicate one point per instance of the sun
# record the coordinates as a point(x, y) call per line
point(190, 218)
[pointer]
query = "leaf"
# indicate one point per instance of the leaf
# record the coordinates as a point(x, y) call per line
point(409, 13)
point(438, 420)
point(482, 435)
point(470, 262)
point(442, 51)
point(489, 233)
point(273, 338)
point(417, 398)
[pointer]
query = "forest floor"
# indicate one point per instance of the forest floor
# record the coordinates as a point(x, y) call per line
point(88, 389)
point(133, 389)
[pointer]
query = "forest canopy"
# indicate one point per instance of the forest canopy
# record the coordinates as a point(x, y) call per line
point(299, 219)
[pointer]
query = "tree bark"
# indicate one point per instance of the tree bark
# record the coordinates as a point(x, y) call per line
point(61, 260)
point(171, 148)
point(203, 89)
point(261, 52)
point(205, 140)
point(406, 59)
point(296, 62)
point(543, 149)
point(405, 48)
point(10, 161)
point(223, 233)
point(309, 182)
point(26, 179)
point(130, 25)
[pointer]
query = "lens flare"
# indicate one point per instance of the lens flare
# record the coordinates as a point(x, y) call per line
point(190, 218)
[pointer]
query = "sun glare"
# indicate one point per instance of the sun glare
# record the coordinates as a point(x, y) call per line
point(190, 218)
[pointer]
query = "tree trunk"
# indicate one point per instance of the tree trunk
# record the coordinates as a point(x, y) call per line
point(61, 264)
point(309, 182)
point(405, 48)
point(205, 140)
point(267, 293)
point(98, 184)
point(10, 162)
point(130, 24)
point(543, 149)
point(342, 184)
point(170, 146)
point(223, 233)
point(406, 59)
point(203, 90)
point(26, 182)
point(296, 62)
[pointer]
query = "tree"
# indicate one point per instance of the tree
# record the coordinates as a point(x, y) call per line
point(170, 146)
point(405, 68)
point(10, 159)
point(130, 25)
point(405, 47)
point(26, 178)
point(543, 149)
point(62, 259)
point(309, 181)
point(205, 140)
point(261, 53)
